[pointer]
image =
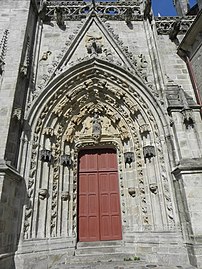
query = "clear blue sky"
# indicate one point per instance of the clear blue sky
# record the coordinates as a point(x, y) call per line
point(165, 7)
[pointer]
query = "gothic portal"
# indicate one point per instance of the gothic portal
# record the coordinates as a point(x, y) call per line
point(100, 134)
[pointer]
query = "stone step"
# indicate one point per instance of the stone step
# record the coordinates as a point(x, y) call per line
point(99, 243)
point(97, 261)
point(117, 265)
point(97, 250)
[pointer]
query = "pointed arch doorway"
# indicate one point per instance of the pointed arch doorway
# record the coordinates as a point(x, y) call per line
point(99, 215)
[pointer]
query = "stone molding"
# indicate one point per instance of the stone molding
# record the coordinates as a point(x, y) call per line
point(188, 166)
point(6, 169)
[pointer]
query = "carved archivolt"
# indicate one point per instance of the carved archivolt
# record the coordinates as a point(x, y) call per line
point(91, 109)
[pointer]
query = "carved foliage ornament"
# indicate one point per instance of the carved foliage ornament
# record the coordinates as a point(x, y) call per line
point(3, 49)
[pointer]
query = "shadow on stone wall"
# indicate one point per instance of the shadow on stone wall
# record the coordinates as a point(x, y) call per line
point(13, 198)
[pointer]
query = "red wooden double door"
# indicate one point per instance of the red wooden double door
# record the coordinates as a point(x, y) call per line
point(99, 215)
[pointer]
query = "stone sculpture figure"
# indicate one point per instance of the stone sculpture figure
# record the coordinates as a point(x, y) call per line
point(59, 16)
point(94, 43)
point(97, 128)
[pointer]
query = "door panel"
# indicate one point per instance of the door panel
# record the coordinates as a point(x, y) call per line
point(109, 206)
point(107, 161)
point(99, 202)
point(88, 207)
point(88, 162)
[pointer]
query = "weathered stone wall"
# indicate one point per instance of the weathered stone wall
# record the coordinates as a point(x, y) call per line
point(196, 61)
point(14, 16)
point(13, 25)
point(174, 68)
point(54, 75)
point(13, 193)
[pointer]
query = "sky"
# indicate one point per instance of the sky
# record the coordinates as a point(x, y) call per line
point(165, 7)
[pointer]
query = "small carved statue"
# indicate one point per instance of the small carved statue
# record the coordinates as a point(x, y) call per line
point(70, 133)
point(94, 43)
point(123, 131)
point(142, 65)
point(45, 55)
point(97, 128)
point(59, 16)
point(175, 30)
point(128, 15)
point(43, 10)
point(17, 113)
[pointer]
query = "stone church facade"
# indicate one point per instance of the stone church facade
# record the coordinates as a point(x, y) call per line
point(101, 133)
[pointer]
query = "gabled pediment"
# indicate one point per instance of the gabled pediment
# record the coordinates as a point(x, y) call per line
point(95, 40)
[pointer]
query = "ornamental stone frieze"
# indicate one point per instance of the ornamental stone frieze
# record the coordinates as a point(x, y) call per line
point(73, 10)
point(164, 25)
